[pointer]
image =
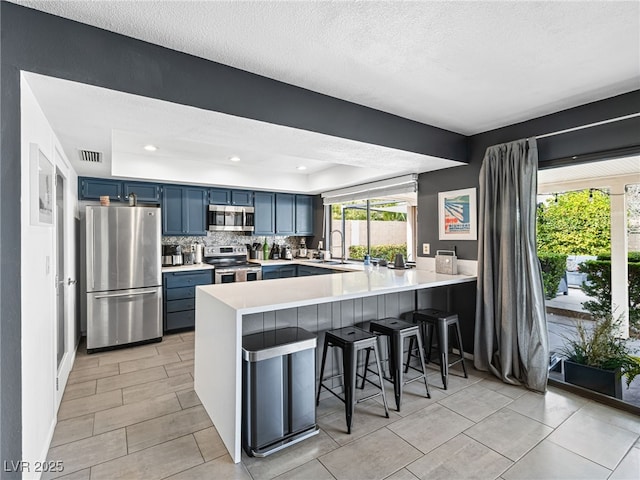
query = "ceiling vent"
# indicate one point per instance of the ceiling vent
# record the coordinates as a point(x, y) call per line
point(90, 156)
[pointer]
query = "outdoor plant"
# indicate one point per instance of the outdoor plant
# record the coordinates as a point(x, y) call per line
point(553, 268)
point(600, 347)
point(598, 286)
point(388, 252)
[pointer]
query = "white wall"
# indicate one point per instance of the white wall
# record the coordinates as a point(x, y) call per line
point(40, 399)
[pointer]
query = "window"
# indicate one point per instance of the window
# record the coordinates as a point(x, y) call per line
point(381, 227)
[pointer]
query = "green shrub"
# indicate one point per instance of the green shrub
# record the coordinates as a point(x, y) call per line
point(387, 252)
point(553, 268)
point(633, 257)
point(598, 286)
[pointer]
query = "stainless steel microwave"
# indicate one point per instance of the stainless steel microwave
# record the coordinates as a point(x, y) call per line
point(229, 218)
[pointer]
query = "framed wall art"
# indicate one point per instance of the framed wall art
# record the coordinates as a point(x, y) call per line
point(41, 195)
point(457, 215)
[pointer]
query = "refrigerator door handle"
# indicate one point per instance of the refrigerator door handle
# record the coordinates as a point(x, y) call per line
point(90, 251)
point(114, 295)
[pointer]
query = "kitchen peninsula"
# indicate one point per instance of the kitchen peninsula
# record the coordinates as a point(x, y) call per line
point(225, 312)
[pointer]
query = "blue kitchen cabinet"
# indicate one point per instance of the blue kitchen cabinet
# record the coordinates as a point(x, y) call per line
point(179, 297)
point(94, 188)
point(225, 196)
point(242, 198)
point(304, 215)
point(269, 272)
point(184, 210)
point(195, 210)
point(145, 192)
point(285, 214)
point(288, 271)
point(307, 271)
point(219, 196)
point(265, 213)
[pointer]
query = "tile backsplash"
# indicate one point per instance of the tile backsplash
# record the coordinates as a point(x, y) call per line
point(230, 238)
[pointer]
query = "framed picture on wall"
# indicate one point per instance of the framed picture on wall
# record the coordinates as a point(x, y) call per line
point(41, 195)
point(457, 215)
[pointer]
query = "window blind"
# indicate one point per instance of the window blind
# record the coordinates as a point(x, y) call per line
point(367, 191)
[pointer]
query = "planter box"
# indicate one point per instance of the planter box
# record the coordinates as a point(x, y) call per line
point(607, 382)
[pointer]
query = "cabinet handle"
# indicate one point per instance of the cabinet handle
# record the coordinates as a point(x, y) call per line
point(133, 294)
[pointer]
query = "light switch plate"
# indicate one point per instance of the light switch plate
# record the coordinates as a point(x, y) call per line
point(426, 248)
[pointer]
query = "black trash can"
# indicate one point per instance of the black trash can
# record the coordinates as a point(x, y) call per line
point(278, 389)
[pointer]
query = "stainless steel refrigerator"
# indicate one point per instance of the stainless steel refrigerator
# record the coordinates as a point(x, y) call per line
point(123, 275)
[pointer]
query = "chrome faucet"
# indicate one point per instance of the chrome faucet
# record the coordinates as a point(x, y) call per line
point(343, 259)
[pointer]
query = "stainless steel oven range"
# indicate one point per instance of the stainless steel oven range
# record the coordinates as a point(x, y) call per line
point(231, 264)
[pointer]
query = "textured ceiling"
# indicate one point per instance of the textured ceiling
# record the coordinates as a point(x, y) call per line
point(464, 66)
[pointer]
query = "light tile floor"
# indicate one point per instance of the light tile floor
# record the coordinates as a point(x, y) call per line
point(133, 414)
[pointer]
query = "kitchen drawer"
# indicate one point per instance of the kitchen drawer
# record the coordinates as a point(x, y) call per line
point(180, 305)
point(186, 279)
point(179, 320)
point(180, 293)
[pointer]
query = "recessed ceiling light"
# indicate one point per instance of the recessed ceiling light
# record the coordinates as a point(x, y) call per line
point(235, 159)
point(301, 167)
point(150, 148)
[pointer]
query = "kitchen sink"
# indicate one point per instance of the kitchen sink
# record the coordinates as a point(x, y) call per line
point(328, 262)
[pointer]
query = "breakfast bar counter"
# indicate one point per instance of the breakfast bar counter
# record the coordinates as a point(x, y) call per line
point(225, 312)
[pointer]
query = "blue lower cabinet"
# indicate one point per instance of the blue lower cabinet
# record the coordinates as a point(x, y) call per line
point(307, 271)
point(179, 297)
point(289, 271)
point(279, 271)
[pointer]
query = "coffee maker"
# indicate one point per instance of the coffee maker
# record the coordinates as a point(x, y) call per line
point(171, 255)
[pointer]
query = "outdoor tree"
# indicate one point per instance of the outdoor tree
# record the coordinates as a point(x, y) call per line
point(575, 223)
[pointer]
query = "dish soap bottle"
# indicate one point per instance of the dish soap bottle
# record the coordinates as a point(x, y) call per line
point(265, 250)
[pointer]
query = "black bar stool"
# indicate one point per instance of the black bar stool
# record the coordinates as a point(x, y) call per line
point(351, 340)
point(431, 318)
point(397, 330)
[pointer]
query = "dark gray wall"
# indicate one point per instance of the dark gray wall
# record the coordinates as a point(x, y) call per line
point(10, 363)
point(596, 143)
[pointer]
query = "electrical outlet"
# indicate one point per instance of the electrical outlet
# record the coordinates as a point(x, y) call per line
point(426, 248)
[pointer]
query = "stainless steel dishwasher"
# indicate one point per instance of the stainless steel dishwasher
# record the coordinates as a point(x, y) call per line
point(278, 389)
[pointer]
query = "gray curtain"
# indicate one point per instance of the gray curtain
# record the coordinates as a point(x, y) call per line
point(511, 338)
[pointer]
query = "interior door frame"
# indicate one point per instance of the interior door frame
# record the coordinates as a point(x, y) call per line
point(62, 370)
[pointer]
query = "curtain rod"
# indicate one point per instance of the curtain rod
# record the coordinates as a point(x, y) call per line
point(603, 122)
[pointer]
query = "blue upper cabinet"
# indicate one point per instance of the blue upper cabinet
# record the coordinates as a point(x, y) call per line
point(195, 210)
point(172, 219)
point(219, 196)
point(304, 215)
point(285, 214)
point(242, 198)
point(117, 190)
point(225, 196)
point(265, 213)
point(145, 192)
point(94, 188)
point(184, 210)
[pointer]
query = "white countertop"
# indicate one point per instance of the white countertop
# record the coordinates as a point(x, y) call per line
point(268, 295)
point(187, 268)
